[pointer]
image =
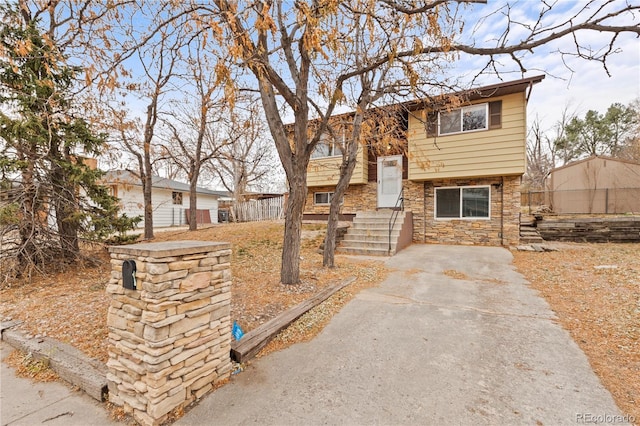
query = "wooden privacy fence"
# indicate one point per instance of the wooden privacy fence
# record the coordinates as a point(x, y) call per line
point(255, 210)
point(584, 201)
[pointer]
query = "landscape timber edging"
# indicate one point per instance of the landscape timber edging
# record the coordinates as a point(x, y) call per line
point(69, 363)
point(253, 341)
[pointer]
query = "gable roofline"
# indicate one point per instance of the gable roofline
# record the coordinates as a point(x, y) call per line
point(438, 101)
point(593, 157)
point(127, 177)
point(483, 92)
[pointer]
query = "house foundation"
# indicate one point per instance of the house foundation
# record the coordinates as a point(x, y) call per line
point(501, 228)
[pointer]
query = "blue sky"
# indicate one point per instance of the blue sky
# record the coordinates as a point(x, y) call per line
point(575, 83)
point(570, 82)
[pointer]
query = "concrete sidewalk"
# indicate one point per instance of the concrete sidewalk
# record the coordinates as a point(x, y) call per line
point(474, 345)
point(23, 402)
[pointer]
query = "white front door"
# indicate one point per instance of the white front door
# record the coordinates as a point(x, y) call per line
point(389, 180)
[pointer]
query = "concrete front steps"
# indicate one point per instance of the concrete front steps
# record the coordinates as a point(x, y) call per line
point(529, 231)
point(369, 233)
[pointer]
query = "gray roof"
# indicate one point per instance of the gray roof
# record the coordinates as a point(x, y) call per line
point(128, 178)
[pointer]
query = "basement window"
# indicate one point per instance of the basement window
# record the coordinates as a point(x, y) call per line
point(323, 198)
point(466, 202)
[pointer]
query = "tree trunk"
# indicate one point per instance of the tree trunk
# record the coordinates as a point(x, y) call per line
point(67, 226)
point(346, 171)
point(193, 206)
point(328, 253)
point(63, 199)
point(148, 207)
point(290, 270)
point(28, 225)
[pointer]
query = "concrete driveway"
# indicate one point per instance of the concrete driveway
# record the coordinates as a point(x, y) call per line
point(474, 345)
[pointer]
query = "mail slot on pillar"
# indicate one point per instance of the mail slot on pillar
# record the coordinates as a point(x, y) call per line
point(129, 274)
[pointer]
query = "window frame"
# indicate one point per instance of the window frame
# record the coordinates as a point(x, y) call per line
point(176, 198)
point(335, 147)
point(329, 197)
point(461, 203)
point(461, 112)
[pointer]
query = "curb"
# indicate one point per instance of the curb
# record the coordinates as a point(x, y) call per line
point(68, 362)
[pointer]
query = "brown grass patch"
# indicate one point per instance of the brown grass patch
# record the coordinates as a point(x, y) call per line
point(599, 307)
point(72, 306)
point(28, 367)
point(456, 274)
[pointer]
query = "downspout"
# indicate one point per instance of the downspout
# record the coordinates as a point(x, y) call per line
point(502, 211)
point(424, 212)
point(530, 90)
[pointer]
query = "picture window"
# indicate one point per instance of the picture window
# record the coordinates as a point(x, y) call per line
point(467, 202)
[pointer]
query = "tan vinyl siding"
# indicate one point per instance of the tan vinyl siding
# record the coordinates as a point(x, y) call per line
point(497, 152)
point(326, 171)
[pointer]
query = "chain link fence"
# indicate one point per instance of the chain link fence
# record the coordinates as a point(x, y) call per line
point(583, 201)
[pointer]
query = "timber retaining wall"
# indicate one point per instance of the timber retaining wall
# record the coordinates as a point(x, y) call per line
point(618, 229)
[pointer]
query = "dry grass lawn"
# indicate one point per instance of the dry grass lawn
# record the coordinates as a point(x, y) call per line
point(593, 288)
point(595, 291)
point(72, 306)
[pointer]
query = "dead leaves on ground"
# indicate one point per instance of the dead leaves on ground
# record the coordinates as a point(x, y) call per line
point(72, 306)
point(595, 291)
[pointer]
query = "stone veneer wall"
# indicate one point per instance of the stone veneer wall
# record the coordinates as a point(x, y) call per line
point(169, 340)
point(414, 202)
point(479, 232)
point(357, 198)
point(419, 199)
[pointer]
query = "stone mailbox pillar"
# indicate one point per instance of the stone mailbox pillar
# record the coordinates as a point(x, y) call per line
point(169, 338)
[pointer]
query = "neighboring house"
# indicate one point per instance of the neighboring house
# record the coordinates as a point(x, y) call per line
point(170, 199)
point(459, 175)
point(597, 184)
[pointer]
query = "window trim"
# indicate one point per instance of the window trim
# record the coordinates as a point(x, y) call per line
point(329, 198)
point(461, 110)
point(335, 147)
point(175, 199)
point(460, 217)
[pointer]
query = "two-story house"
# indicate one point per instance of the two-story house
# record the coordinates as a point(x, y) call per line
point(458, 178)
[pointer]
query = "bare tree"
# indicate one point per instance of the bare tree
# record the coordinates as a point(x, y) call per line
point(157, 64)
point(304, 60)
point(246, 159)
point(539, 156)
point(192, 140)
point(292, 48)
point(283, 48)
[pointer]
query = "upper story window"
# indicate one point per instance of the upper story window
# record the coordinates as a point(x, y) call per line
point(465, 119)
point(470, 118)
point(328, 146)
point(176, 197)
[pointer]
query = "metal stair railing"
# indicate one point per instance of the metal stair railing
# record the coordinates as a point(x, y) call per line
point(394, 215)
